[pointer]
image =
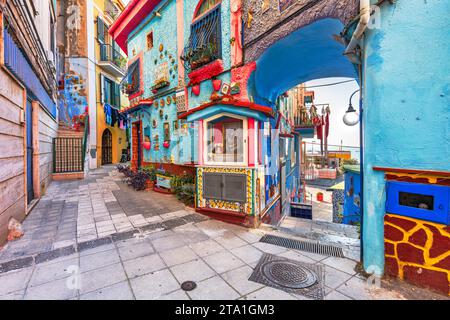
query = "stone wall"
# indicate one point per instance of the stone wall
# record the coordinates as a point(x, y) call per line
point(265, 22)
point(417, 251)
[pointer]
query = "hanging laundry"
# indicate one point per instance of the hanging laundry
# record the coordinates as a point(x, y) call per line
point(108, 113)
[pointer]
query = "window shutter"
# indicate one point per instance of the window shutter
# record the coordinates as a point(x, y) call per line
point(100, 30)
point(116, 95)
point(102, 89)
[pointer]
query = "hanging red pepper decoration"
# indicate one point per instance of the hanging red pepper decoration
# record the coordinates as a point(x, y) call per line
point(196, 89)
point(217, 84)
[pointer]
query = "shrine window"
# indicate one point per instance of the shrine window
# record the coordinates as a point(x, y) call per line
point(225, 140)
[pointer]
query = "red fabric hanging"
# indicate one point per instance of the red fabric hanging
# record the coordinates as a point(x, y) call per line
point(327, 125)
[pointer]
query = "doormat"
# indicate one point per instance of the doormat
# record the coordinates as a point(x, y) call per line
point(290, 276)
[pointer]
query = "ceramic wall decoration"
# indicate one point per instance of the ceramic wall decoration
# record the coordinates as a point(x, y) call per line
point(168, 100)
point(235, 88)
point(196, 89)
point(161, 47)
point(217, 83)
point(154, 123)
point(156, 103)
point(161, 113)
point(225, 89)
point(162, 103)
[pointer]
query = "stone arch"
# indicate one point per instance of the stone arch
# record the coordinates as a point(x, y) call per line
point(264, 26)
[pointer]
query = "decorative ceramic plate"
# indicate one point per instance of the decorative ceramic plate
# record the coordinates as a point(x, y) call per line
point(169, 100)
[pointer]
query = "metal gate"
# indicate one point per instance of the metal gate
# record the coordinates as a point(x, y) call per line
point(106, 147)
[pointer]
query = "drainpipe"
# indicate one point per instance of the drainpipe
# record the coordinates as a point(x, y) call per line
point(364, 19)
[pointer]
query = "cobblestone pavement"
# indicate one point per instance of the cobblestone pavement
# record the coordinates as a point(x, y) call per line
point(152, 265)
point(85, 241)
point(77, 211)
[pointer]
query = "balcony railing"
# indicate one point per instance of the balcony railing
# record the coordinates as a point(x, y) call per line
point(111, 9)
point(109, 54)
point(303, 119)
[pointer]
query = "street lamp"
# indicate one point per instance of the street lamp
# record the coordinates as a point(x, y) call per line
point(351, 117)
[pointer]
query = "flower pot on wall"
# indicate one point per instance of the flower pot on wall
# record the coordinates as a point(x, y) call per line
point(217, 84)
point(166, 144)
point(196, 89)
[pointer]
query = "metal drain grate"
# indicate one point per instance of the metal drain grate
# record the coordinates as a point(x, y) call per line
point(322, 249)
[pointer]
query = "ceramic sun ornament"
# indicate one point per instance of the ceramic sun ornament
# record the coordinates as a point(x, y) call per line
point(265, 5)
point(249, 18)
point(161, 47)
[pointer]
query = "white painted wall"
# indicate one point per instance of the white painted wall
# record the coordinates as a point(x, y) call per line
point(92, 98)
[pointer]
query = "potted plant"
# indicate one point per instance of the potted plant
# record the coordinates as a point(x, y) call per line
point(184, 188)
point(151, 172)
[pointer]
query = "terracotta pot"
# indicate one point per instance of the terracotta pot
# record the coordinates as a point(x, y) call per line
point(217, 84)
point(166, 144)
point(146, 145)
point(196, 89)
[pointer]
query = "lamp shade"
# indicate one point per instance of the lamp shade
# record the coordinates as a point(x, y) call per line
point(351, 117)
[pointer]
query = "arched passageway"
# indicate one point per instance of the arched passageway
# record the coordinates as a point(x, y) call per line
point(309, 53)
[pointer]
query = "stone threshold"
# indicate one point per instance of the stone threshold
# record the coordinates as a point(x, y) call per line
point(42, 257)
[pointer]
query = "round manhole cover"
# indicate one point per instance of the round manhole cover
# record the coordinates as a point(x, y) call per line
point(289, 274)
point(188, 285)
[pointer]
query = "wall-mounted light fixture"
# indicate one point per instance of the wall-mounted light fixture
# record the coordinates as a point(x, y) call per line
point(351, 117)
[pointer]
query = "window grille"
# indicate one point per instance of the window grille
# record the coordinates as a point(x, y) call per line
point(204, 43)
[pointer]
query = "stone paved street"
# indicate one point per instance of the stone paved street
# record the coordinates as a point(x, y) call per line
point(98, 239)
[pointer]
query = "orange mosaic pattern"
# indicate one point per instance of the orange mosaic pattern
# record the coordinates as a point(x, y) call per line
point(418, 252)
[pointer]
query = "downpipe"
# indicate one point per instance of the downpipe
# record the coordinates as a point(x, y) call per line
point(364, 13)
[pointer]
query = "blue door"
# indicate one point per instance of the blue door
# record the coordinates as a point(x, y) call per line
point(29, 123)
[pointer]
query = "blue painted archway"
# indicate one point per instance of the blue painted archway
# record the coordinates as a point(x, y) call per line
point(308, 53)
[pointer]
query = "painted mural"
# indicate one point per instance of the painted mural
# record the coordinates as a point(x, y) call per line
point(75, 102)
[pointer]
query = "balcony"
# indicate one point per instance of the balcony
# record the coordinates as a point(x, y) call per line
point(112, 61)
point(303, 123)
point(111, 10)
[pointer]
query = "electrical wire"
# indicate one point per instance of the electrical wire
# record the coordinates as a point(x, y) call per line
point(330, 84)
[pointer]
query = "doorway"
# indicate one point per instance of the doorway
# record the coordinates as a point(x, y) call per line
point(107, 147)
point(136, 161)
point(29, 126)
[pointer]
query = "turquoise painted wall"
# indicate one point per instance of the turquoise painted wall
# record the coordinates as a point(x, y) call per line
point(406, 104)
point(206, 88)
point(183, 147)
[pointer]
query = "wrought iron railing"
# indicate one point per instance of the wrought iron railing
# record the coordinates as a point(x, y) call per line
point(110, 54)
point(68, 155)
point(303, 118)
point(204, 43)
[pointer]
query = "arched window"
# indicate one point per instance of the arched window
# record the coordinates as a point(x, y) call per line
point(205, 6)
point(204, 44)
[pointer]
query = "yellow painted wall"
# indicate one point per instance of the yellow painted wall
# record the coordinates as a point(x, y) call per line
point(118, 136)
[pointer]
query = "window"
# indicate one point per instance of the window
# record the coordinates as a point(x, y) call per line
point(225, 140)
point(111, 92)
point(204, 44)
point(150, 40)
point(132, 81)
point(205, 6)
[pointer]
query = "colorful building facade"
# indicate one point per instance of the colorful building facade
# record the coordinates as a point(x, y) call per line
point(28, 113)
point(90, 74)
point(227, 65)
point(189, 103)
